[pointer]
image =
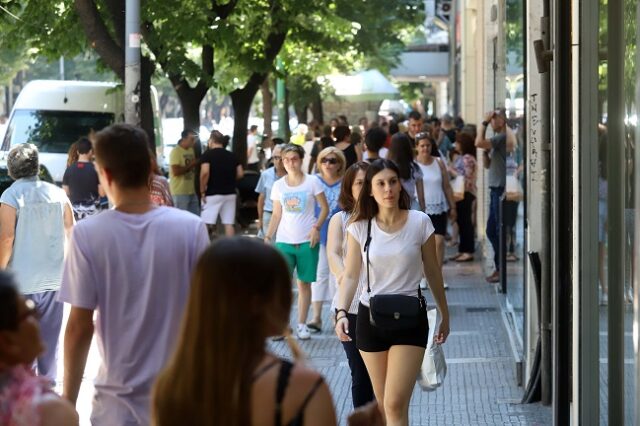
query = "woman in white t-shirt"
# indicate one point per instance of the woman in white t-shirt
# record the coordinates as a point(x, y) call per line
point(401, 249)
point(294, 199)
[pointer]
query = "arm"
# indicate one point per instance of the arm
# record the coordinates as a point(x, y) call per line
point(334, 247)
point(69, 221)
point(347, 289)
point(101, 192)
point(420, 192)
point(448, 192)
point(77, 339)
point(481, 140)
point(314, 235)
point(55, 411)
point(204, 177)
point(260, 208)
point(433, 273)
point(66, 190)
point(239, 172)
point(512, 141)
point(7, 233)
point(275, 220)
point(358, 148)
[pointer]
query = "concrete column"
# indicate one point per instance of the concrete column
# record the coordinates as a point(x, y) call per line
point(442, 97)
point(469, 60)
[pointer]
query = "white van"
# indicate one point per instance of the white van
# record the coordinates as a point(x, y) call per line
point(53, 114)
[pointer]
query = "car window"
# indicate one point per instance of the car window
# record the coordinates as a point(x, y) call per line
point(53, 131)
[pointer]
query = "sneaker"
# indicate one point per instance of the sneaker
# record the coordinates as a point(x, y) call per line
point(315, 326)
point(604, 299)
point(446, 286)
point(303, 332)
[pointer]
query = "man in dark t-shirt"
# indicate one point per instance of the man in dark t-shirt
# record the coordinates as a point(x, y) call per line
point(218, 174)
point(80, 182)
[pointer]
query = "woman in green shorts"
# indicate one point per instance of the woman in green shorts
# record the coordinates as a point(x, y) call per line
point(294, 199)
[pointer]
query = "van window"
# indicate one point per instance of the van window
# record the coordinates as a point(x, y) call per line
point(53, 131)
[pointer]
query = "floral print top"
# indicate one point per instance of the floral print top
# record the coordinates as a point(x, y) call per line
point(20, 393)
point(465, 165)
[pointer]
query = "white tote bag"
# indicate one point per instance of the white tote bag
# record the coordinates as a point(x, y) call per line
point(457, 186)
point(434, 367)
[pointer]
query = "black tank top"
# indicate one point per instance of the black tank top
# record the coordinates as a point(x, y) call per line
point(350, 155)
point(282, 383)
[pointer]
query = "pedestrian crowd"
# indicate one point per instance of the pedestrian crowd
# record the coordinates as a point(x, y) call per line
point(358, 216)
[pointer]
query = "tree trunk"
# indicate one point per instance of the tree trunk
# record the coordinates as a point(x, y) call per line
point(146, 108)
point(241, 100)
point(267, 106)
point(190, 104)
point(316, 108)
point(301, 112)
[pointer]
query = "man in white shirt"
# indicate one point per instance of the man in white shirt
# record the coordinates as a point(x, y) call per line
point(252, 149)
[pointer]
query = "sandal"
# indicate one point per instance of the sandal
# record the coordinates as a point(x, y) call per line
point(315, 327)
point(456, 257)
point(465, 257)
point(512, 258)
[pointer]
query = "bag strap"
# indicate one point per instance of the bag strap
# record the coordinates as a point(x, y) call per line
point(367, 244)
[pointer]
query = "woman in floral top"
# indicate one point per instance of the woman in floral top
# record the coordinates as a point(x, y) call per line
point(25, 399)
point(465, 165)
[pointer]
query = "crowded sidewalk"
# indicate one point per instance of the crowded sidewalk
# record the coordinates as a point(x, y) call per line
point(480, 387)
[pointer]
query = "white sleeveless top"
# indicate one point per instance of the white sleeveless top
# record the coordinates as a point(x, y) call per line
point(435, 199)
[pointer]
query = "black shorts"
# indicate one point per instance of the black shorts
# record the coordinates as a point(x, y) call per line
point(439, 223)
point(370, 338)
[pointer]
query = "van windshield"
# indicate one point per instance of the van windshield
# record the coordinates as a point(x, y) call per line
point(53, 131)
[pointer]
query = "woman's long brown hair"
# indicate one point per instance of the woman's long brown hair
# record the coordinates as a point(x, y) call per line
point(240, 294)
point(367, 207)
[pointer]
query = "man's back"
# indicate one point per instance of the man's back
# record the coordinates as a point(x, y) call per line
point(82, 180)
point(135, 270)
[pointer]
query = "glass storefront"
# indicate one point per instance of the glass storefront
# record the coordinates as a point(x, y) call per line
point(617, 134)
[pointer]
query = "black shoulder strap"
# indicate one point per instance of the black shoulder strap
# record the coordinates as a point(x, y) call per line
point(283, 382)
point(366, 249)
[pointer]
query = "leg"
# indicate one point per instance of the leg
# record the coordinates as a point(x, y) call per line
point(403, 365)
point(493, 224)
point(321, 289)
point(50, 323)
point(228, 214)
point(376, 363)
point(304, 300)
point(307, 258)
point(361, 389)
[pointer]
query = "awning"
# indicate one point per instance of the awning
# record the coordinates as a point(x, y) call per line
point(365, 86)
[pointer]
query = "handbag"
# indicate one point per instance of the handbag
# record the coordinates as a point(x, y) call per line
point(457, 186)
point(513, 189)
point(434, 367)
point(393, 312)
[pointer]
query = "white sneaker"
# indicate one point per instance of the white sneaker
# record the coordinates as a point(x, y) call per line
point(303, 332)
point(446, 286)
point(423, 284)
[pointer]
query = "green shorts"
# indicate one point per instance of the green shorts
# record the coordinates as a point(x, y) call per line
point(303, 257)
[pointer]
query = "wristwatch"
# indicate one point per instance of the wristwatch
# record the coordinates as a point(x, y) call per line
point(485, 123)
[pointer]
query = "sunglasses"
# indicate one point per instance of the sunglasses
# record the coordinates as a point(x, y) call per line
point(423, 135)
point(31, 311)
point(329, 161)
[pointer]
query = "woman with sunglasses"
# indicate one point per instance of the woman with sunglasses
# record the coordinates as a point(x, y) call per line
point(25, 399)
point(395, 247)
point(331, 165)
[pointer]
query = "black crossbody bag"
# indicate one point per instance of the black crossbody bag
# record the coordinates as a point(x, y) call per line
point(393, 312)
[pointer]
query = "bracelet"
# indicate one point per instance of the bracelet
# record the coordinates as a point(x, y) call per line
point(342, 317)
point(338, 311)
point(485, 123)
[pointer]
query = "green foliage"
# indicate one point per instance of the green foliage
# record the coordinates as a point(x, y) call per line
point(515, 30)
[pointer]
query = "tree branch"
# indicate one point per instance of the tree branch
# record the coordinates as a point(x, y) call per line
point(117, 10)
point(99, 37)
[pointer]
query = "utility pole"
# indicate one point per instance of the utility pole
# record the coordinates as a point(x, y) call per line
point(283, 122)
point(132, 63)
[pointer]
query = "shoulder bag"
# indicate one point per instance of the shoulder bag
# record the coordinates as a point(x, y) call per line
point(393, 312)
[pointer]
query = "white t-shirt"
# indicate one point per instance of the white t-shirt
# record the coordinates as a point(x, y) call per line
point(251, 143)
point(135, 270)
point(395, 260)
point(298, 208)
